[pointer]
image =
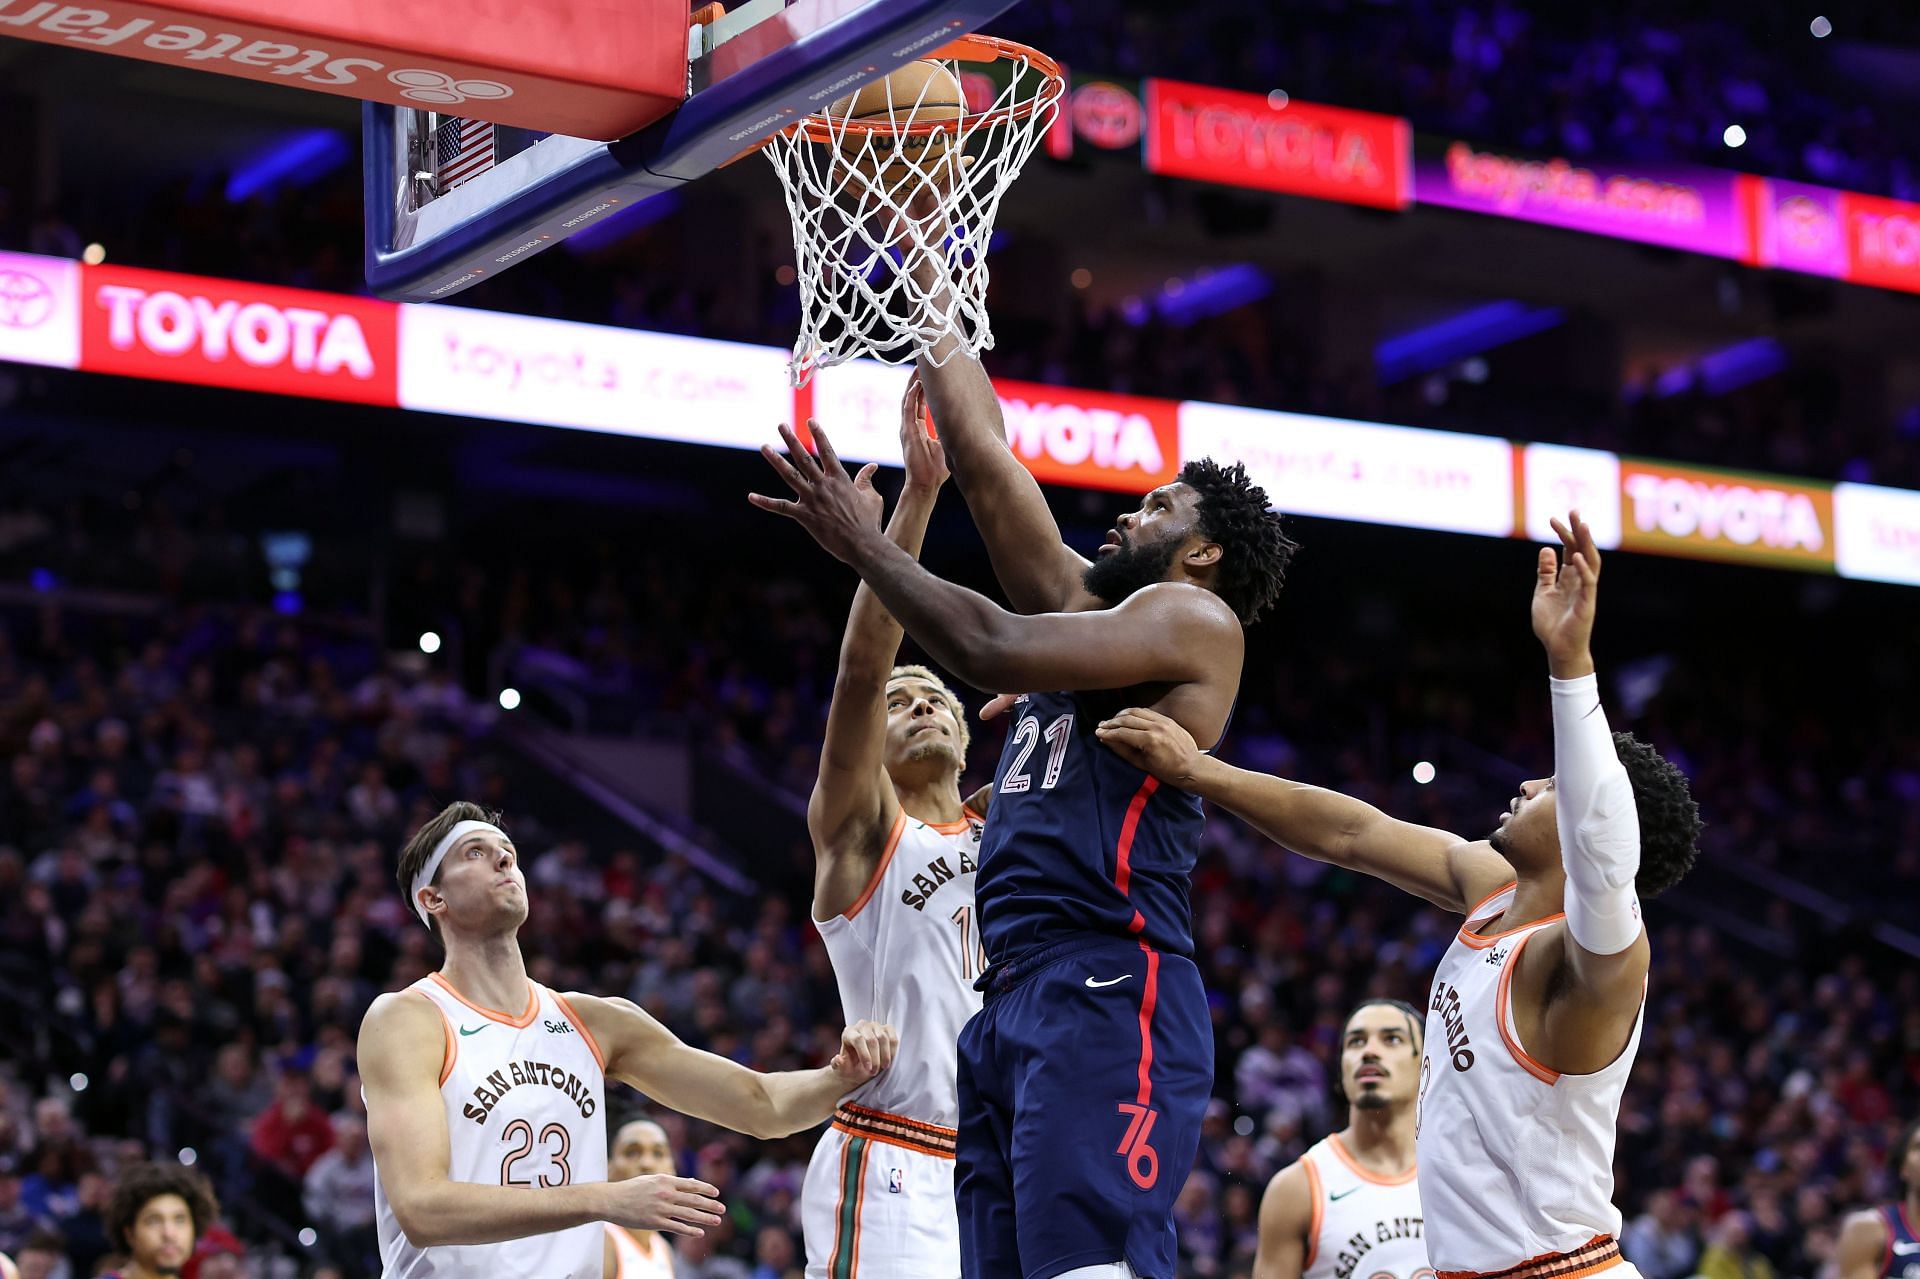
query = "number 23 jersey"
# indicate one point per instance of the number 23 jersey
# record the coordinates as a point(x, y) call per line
point(1080, 841)
point(525, 1098)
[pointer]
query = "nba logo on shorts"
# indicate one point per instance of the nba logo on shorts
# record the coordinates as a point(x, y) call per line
point(895, 1178)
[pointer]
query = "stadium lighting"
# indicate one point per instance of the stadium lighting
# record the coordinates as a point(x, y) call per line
point(77, 1082)
point(1278, 99)
point(1735, 136)
point(189, 1156)
point(429, 642)
point(94, 254)
point(1082, 278)
point(1423, 772)
point(509, 698)
point(1821, 28)
point(308, 1236)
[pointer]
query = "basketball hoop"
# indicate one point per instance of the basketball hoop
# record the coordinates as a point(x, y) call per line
point(893, 208)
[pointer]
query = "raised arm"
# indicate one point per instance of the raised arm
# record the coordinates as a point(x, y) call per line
point(403, 1043)
point(643, 1054)
point(853, 804)
point(1039, 573)
point(1171, 632)
point(1601, 967)
point(1312, 821)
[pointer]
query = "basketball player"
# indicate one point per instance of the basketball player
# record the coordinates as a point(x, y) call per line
point(1535, 1013)
point(157, 1213)
point(640, 1149)
point(1084, 1079)
point(485, 1090)
point(895, 849)
point(1349, 1205)
point(1884, 1242)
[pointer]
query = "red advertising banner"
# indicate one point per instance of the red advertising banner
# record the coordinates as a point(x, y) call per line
point(589, 71)
point(252, 337)
point(1278, 144)
point(1092, 439)
point(1883, 241)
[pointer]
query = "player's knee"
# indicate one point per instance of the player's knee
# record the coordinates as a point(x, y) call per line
point(1110, 1270)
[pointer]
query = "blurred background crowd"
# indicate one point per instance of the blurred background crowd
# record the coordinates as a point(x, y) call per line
point(207, 775)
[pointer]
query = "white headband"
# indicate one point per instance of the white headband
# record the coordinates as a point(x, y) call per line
point(440, 850)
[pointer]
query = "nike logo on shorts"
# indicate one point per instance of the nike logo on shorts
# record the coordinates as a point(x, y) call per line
point(1096, 985)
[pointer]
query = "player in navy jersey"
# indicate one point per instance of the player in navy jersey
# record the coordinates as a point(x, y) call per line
point(1084, 1077)
point(1884, 1242)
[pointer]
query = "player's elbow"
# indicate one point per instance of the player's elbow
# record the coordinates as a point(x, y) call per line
point(423, 1227)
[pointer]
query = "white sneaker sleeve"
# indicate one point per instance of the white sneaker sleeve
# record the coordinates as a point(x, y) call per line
point(1599, 826)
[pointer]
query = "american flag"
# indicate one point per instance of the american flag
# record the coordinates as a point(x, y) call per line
point(464, 149)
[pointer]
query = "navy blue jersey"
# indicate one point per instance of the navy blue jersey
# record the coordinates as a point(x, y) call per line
point(1903, 1245)
point(1080, 842)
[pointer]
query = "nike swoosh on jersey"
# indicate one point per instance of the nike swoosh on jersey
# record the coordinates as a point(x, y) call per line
point(1096, 985)
point(476, 1030)
point(1344, 1193)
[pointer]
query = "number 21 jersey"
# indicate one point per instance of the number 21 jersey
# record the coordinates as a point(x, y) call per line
point(1081, 842)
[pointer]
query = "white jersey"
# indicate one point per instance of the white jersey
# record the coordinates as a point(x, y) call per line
point(1516, 1160)
point(906, 955)
point(878, 1199)
point(526, 1106)
point(631, 1261)
point(1364, 1226)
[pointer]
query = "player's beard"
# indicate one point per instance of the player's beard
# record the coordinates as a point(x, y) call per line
point(1371, 1099)
point(1131, 568)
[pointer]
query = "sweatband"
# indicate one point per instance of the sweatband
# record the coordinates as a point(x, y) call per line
point(1599, 826)
point(440, 850)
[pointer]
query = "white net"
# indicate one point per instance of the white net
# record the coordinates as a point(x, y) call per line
point(893, 204)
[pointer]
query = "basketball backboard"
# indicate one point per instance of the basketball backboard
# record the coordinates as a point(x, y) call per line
point(451, 202)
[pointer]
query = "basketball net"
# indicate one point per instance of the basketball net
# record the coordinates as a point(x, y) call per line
point(892, 216)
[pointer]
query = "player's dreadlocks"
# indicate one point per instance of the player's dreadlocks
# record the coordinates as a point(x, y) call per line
point(1254, 551)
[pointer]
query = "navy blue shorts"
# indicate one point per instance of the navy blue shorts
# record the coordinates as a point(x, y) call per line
point(1083, 1081)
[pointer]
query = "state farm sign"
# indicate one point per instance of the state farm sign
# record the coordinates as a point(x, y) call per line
point(1250, 140)
point(1091, 439)
point(1722, 515)
point(184, 328)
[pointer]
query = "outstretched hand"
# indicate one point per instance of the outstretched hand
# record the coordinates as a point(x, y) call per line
point(838, 509)
point(1565, 596)
point(925, 457)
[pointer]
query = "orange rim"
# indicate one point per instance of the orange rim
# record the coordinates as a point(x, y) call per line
point(821, 128)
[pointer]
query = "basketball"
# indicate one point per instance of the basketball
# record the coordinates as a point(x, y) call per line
point(917, 93)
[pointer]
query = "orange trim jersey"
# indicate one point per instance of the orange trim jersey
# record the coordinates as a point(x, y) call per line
point(631, 1261)
point(1364, 1226)
point(907, 954)
point(878, 1198)
point(525, 1099)
point(1516, 1159)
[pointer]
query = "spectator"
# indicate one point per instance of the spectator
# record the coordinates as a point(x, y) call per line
point(1731, 1254)
point(338, 1196)
point(157, 1215)
point(1660, 1241)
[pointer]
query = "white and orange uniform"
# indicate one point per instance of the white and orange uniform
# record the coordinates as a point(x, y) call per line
point(1516, 1160)
point(878, 1199)
point(1364, 1226)
point(631, 1261)
point(526, 1106)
